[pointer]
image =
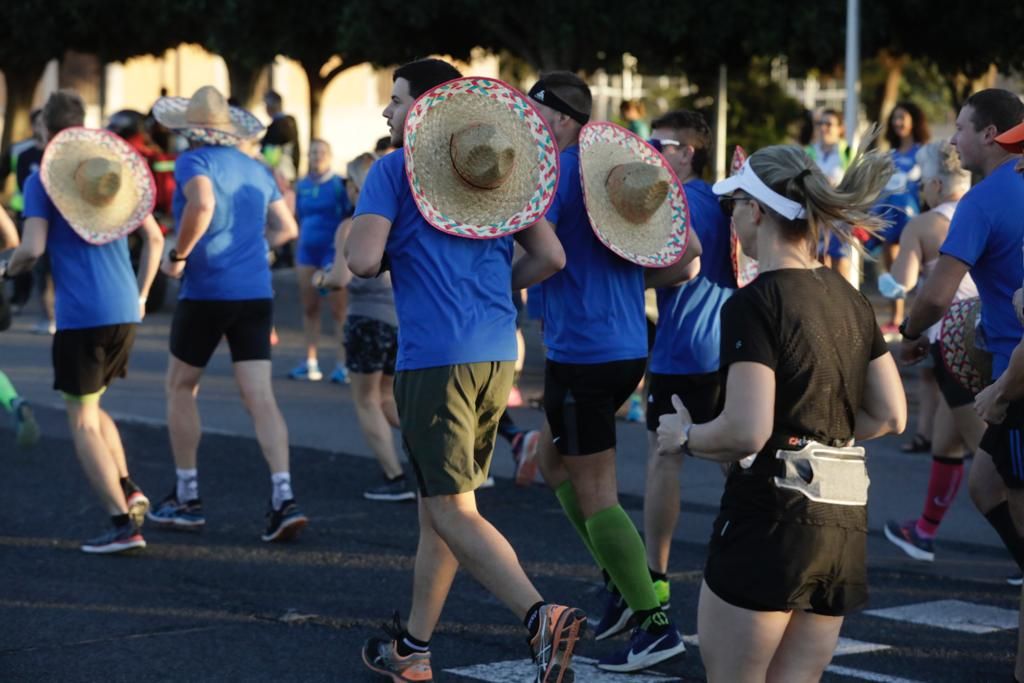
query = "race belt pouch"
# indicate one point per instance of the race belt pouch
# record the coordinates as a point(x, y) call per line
point(825, 474)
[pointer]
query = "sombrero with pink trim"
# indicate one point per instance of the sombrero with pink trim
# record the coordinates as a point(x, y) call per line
point(633, 198)
point(963, 357)
point(743, 267)
point(207, 117)
point(480, 159)
point(98, 182)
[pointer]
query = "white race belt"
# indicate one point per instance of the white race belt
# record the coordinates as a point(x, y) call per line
point(826, 474)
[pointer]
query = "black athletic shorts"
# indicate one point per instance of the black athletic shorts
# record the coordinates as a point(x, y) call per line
point(86, 361)
point(701, 394)
point(769, 566)
point(955, 394)
point(198, 326)
point(1005, 443)
point(580, 402)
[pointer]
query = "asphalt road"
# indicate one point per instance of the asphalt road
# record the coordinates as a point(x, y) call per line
point(222, 606)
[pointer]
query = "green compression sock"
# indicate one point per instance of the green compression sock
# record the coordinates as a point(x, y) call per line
point(7, 393)
point(566, 495)
point(618, 544)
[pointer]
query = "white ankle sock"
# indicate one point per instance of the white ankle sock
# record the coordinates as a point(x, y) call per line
point(188, 485)
point(280, 489)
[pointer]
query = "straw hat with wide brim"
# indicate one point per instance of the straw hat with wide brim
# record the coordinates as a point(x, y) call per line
point(207, 117)
point(635, 203)
point(480, 160)
point(743, 267)
point(98, 182)
point(969, 364)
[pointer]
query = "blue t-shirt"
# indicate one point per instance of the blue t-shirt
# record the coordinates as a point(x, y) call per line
point(986, 233)
point(594, 308)
point(453, 295)
point(319, 208)
point(229, 262)
point(689, 328)
point(900, 201)
point(94, 285)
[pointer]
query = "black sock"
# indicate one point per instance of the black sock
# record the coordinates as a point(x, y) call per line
point(653, 620)
point(999, 518)
point(658, 576)
point(407, 645)
point(532, 620)
point(119, 520)
point(507, 427)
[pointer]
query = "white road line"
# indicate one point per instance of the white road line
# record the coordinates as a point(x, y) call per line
point(867, 675)
point(955, 615)
point(845, 646)
point(524, 671)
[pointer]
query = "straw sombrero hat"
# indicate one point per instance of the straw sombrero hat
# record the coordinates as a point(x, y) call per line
point(969, 364)
point(98, 182)
point(207, 117)
point(480, 160)
point(635, 203)
point(743, 267)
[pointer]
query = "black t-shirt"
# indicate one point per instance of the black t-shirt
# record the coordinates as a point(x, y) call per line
point(818, 334)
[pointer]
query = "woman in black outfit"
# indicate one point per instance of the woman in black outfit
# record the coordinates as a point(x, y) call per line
point(808, 374)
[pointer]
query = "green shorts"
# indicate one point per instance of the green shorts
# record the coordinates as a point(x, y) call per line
point(449, 418)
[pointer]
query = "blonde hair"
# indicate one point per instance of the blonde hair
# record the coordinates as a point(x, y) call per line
point(788, 170)
point(359, 168)
point(941, 160)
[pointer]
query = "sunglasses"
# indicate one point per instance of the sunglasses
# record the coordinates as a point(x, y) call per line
point(662, 143)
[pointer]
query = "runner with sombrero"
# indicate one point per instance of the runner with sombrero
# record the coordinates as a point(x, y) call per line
point(227, 211)
point(619, 208)
point(475, 164)
point(93, 189)
point(984, 238)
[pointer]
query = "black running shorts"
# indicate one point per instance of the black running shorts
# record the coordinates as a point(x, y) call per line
point(85, 361)
point(768, 566)
point(198, 326)
point(1005, 443)
point(701, 394)
point(581, 400)
point(955, 394)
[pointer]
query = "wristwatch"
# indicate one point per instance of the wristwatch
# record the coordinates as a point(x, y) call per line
point(903, 331)
point(173, 257)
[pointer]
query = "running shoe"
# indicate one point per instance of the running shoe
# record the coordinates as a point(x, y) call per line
point(45, 327)
point(646, 649)
point(117, 540)
point(524, 452)
point(552, 648)
point(393, 490)
point(515, 397)
point(170, 514)
point(381, 656)
point(285, 523)
point(488, 483)
point(636, 409)
point(617, 617)
point(26, 429)
point(339, 376)
point(138, 504)
point(905, 537)
point(664, 592)
point(306, 372)
point(1015, 580)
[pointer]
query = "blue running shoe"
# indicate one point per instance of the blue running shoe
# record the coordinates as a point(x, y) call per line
point(170, 514)
point(645, 650)
point(117, 540)
point(905, 537)
point(617, 617)
point(339, 376)
point(636, 409)
point(306, 372)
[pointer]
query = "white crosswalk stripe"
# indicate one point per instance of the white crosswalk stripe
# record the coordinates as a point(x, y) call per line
point(955, 615)
point(524, 671)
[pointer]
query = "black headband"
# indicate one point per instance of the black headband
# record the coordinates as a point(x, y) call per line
point(541, 93)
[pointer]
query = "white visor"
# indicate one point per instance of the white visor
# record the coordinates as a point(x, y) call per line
point(745, 179)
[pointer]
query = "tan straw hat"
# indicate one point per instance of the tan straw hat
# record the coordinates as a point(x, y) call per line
point(480, 159)
point(207, 117)
point(963, 357)
point(102, 187)
point(635, 202)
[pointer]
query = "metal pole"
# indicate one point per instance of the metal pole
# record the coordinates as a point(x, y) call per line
point(721, 104)
point(853, 104)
